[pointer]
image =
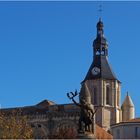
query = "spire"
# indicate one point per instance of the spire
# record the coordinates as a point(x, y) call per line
point(100, 67)
point(100, 11)
point(100, 26)
point(128, 101)
point(127, 93)
point(100, 23)
point(85, 93)
point(100, 45)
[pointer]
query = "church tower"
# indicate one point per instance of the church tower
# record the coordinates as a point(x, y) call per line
point(103, 84)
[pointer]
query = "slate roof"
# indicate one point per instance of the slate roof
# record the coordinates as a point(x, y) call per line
point(106, 71)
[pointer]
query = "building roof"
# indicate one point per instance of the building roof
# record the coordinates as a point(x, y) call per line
point(100, 68)
point(41, 107)
point(128, 122)
point(102, 134)
point(127, 102)
point(106, 71)
point(84, 90)
point(134, 120)
point(45, 103)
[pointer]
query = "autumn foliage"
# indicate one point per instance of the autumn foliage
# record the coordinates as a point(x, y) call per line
point(14, 127)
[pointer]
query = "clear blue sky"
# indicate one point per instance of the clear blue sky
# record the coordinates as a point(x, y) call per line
point(46, 48)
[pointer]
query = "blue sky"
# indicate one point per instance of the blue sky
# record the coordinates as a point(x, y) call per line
point(46, 48)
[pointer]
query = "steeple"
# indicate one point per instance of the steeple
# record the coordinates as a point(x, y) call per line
point(100, 67)
point(101, 83)
point(100, 45)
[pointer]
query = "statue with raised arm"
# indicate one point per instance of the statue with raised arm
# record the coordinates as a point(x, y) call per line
point(86, 114)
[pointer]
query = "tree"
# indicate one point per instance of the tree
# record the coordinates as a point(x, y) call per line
point(14, 126)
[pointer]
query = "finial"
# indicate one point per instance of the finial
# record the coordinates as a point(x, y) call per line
point(100, 12)
point(127, 93)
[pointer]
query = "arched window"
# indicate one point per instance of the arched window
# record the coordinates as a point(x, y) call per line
point(95, 96)
point(103, 51)
point(97, 52)
point(107, 95)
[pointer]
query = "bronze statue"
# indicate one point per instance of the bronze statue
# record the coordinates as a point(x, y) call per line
point(86, 115)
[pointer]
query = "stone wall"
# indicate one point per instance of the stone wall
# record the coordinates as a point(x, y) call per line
point(127, 130)
point(56, 118)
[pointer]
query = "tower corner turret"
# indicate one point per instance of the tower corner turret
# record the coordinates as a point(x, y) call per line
point(128, 109)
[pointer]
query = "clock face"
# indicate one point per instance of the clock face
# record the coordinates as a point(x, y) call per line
point(95, 70)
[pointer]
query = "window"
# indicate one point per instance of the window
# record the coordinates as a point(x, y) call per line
point(117, 134)
point(136, 132)
point(103, 53)
point(95, 96)
point(107, 95)
point(118, 97)
point(97, 53)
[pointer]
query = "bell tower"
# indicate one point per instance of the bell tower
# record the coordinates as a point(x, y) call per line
point(103, 84)
point(100, 45)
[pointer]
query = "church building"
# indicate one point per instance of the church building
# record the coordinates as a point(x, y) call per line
point(104, 90)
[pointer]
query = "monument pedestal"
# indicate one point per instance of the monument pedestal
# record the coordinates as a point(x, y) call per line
point(86, 135)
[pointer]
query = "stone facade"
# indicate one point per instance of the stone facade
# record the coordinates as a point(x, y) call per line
point(126, 130)
point(57, 117)
point(109, 112)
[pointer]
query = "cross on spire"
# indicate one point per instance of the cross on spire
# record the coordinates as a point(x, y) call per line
point(100, 11)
